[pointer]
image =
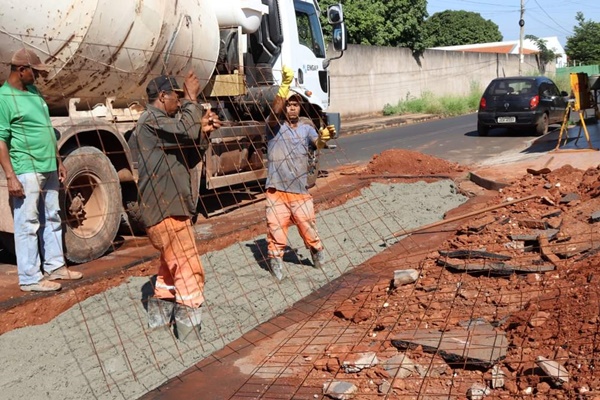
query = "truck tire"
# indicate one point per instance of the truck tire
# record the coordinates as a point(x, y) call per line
point(541, 128)
point(92, 204)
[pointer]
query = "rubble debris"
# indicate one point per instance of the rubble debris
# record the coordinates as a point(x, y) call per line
point(498, 377)
point(339, 390)
point(478, 391)
point(554, 370)
point(478, 225)
point(551, 234)
point(494, 268)
point(539, 319)
point(481, 345)
point(359, 361)
point(595, 217)
point(569, 197)
point(486, 183)
point(399, 366)
point(546, 252)
point(534, 224)
point(462, 254)
point(384, 387)
point(405, 276)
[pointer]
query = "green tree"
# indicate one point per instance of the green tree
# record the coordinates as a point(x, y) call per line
point(584, 46)
point(454, 28)
point(396, 23)
point(545, 55)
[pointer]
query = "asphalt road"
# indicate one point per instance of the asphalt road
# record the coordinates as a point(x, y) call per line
point(453, 139)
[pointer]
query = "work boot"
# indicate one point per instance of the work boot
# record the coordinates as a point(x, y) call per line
point(318, 257)
point(160, 312)
point(187, 321)
point(276, 267)
point(64, 273)
point(41, 286)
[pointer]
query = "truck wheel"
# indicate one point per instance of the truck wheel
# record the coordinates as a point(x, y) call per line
point(541, 128)
point(92, 204)
point(482, 130)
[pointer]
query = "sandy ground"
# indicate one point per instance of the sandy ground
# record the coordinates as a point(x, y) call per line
point(101, 348)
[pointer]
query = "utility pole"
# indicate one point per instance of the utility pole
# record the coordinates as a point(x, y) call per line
point(522, 32)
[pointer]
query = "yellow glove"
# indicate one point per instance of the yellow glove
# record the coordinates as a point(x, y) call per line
point(287, 76)
point(325, 135)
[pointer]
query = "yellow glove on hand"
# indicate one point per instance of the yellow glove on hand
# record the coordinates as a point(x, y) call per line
point(287, 76)
point(325, 135)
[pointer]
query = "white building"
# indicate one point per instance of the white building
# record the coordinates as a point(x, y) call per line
point(512, 47)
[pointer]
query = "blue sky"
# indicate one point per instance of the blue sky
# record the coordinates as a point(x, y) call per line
point(543, 18)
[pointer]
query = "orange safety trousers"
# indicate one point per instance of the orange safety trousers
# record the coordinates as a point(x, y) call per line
point(180, 275)
point(285, 209)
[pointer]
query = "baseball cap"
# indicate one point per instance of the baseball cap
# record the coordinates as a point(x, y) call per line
point(28, 58)
point(163, 83)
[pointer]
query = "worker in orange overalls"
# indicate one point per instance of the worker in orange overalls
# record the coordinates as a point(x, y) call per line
point(288, 201)
point(172, 123)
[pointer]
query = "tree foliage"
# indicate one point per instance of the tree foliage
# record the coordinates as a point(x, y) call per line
point(545, 55)
point(454, 28)
point(584, 45)
point(396, 23)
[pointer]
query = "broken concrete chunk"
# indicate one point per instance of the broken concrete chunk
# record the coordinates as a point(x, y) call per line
point(553, 369)
point(405, 276)
point(384, 387)
point(466, 254)
point(359, 361)
point(486, 183)
point(498, 377)
point(399, 366)
point(480, 346)
point(533, 224)
point(478, 391)
point(569, 197)
point(552, 214)
point(551, 234)
point(339, 390)
point(595, 217)
point(493, 268)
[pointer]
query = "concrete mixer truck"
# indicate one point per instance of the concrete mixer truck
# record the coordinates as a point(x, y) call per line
point(103, 53)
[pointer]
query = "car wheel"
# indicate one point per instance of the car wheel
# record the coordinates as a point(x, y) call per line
point(482, 130)
point(541, 128)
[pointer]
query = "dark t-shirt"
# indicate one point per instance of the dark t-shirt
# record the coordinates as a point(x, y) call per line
point(163, 163)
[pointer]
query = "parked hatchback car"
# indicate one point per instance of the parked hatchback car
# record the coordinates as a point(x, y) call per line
point(523, 103)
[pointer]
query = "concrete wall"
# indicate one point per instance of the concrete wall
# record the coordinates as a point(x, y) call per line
point(367, 78)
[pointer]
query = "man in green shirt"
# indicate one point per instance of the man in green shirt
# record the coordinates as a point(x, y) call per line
point(33, 170)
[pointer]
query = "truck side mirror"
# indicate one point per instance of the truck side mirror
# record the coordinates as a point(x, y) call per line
point(339, 37)
point(335, 15)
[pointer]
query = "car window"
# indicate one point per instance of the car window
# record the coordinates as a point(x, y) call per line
point(514, 86)
point(548, 89)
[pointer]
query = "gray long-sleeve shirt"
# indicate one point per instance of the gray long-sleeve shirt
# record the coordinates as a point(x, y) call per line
point(164, 146)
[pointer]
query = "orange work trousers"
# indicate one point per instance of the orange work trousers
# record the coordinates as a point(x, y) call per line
point(284, 210)
point(180, 275)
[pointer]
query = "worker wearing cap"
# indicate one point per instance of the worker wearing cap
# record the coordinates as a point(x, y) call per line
point(290, 139)
point(34, 170)
point(172, 124)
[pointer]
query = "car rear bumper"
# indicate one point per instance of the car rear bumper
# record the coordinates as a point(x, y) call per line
point(522, 119)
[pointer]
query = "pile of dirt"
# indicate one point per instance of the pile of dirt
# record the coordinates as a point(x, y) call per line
point(407, 162)
point(527, 271)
